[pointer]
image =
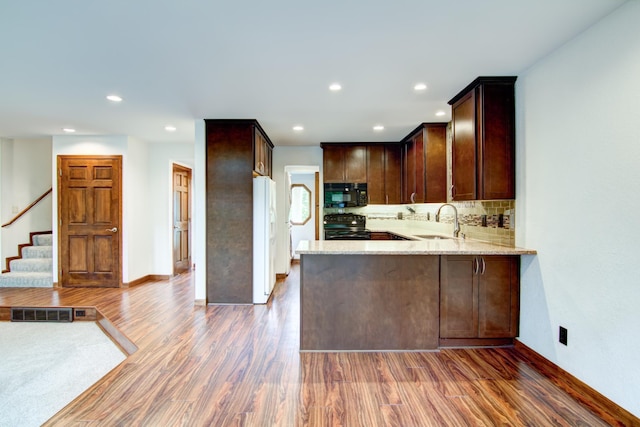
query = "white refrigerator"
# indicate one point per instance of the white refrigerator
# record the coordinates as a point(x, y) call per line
point(264, 238)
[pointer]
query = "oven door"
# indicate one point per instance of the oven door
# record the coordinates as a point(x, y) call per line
point(347, 234)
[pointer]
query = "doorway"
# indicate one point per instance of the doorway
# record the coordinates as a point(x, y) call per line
point(90, 221)
point(181, 219)
point(303, 209)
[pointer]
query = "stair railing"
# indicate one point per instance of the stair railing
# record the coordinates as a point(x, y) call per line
point(28, 208)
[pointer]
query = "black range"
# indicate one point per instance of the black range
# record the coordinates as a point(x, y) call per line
point(346, 226)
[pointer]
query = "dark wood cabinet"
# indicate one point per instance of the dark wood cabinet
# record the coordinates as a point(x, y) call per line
point(385, 235)
point(262, 153)
point(483, 144)
point(231, 153)
point(424, 164)
point(479, 299)
point(383, 173)
point(344, 163)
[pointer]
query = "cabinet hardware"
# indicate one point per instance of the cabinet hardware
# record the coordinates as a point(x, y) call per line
point(484, 266)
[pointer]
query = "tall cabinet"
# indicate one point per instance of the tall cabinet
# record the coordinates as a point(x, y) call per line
point(235, 149)
point(483, 147)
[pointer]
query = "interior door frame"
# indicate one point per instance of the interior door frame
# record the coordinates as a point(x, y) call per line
point(62, 236)
point(178, 167)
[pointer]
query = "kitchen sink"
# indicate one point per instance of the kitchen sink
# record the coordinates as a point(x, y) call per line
point(432, 236)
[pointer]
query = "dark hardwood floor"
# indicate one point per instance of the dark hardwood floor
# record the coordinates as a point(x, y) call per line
point(241, 366)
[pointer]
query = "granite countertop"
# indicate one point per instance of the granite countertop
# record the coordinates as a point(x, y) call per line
point(419, 246)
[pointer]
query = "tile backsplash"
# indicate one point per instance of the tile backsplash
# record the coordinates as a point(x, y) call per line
point(492, 220)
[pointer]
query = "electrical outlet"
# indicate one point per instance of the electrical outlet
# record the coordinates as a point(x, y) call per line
point(562, 335)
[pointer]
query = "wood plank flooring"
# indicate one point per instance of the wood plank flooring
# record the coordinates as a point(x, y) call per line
point(241, 366)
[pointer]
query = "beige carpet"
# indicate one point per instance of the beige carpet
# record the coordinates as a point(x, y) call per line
point(44, 366)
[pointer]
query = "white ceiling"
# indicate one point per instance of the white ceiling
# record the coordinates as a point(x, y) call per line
point(174, 62)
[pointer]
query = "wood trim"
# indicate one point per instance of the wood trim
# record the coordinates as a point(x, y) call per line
point(475, 342)
point(120, 339)
point(606, 409)
point(147, 278)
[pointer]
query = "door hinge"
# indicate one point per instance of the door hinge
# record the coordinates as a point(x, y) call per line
point(60, 172)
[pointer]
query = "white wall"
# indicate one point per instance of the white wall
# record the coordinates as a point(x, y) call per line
point(578, 155)
point(289, 156)
point(26, 175)
point(199, 222)
point(137, 249)
point(160, 196)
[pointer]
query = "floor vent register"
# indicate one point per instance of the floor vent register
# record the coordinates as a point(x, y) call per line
point(40, 314)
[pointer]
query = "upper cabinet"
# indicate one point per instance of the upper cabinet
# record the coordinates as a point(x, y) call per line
point(344, 163)
point(424, 164)
point(262, 152)
point(483, 146)
point(383, 173)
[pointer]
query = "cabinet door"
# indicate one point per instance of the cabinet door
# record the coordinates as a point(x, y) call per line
point(392, 175)
point(259, 152)
point(463, 150)
point(419, 161)
point(496, 136)
point(376, 174)
point(458, 297)
point(333, 164)
point(436, 164)
point(355, 164)
point(498, 297)
point(409, 181)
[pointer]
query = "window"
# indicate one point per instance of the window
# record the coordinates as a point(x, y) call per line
point(300, 212)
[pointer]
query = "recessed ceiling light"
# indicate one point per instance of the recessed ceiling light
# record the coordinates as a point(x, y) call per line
point(378, 128)
point(440, 113)
point(68, 130)
point(298, 128)
point(420, 86)
point(170, 128)
point(334, 87)
point(114, 98)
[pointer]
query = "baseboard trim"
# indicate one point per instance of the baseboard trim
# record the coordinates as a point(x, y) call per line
point(602, 406)
point(200, 302)
point(145, 279)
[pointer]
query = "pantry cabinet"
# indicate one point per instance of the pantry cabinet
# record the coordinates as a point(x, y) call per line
point(479, 299)
point(483, 141)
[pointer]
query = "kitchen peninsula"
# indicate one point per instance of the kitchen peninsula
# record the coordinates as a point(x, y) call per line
point(421, 294)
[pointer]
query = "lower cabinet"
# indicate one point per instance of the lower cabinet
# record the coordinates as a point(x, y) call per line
point(479, 299)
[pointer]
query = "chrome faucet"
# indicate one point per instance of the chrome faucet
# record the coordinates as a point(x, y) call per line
point(456, 224)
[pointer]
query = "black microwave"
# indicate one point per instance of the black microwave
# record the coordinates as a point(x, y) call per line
point(345, 195)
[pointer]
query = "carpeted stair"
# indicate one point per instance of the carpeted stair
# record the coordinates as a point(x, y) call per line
point(35, 268)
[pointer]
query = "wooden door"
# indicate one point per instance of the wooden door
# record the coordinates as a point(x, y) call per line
point(181, 219)
point(90, 215)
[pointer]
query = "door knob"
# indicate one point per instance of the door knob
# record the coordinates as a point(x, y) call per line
point(113, 230)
